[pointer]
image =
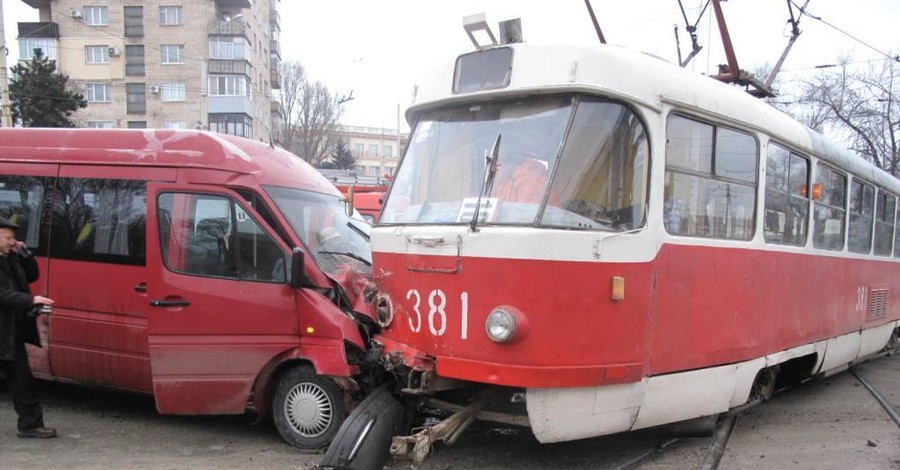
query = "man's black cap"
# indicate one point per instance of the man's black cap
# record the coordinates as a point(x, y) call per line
point(5, 223)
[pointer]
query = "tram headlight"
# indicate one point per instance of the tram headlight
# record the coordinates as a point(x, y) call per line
point(500, 325)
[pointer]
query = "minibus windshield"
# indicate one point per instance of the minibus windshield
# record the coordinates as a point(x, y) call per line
point(334, 239)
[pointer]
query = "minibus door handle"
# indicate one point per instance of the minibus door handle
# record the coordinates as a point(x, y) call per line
point(169, 303)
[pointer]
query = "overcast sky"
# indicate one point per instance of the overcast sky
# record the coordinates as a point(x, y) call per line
point(375, 48)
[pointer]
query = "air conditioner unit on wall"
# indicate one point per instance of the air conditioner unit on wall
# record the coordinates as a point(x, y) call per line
point(75, 13)
point(154, 89)
point(114, 51)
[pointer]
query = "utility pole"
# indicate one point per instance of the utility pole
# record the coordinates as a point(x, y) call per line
point(5, 116)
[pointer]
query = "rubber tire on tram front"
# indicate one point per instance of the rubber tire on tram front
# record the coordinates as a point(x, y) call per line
point(307, 408)
point(375, 422)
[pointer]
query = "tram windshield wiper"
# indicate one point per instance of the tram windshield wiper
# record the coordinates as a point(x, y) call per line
point(347, 254)
point(490, 170)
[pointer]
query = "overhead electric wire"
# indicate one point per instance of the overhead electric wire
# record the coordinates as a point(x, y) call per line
point(845, 33)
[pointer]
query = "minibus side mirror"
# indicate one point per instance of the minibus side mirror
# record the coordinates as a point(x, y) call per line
point(298, 268)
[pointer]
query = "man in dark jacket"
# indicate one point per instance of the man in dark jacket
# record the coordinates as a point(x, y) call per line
point(18, 326)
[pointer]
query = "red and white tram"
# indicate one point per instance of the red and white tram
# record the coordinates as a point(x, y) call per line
point(648, 245)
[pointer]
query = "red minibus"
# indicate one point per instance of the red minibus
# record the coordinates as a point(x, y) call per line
point(216, 273)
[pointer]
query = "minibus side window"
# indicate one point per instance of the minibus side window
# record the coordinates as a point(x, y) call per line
point(101, 220)
point(20, 203)
point(209, 235)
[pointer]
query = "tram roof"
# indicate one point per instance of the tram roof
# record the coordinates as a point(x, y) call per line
point(161, 147)
point(645, 80)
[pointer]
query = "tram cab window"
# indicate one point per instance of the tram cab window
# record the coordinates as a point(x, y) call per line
point(787, 197)
point(711, 178)
point(862, 214)
point(828, 229)
point(885, 210)
point(601, 179)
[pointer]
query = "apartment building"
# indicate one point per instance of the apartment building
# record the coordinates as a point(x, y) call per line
point(209, 64)
point(376, 150)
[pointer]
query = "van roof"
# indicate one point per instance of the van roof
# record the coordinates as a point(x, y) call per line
point(162, 148)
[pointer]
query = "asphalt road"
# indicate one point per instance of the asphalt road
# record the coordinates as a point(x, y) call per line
point(824, 424)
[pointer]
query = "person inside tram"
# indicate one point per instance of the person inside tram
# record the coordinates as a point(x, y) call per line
point(521, 177)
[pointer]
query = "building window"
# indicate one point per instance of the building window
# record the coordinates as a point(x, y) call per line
point(387, 151)
point(831, 204)
point(96, 16)
point(134, 22)
point(227, 85)
point(234, 124)
point(170, 16)
point(172, 92)
point(137, 98)
point(171, 53)
point(28, 45)
point(98, 92)
point(358, 150)
point(787, 197)
point(174, 125)
point(100, 125)
point(373, 150)
point(96, 54)
point(134, 61)
point(227, 48)
point(137, 124)
point(710, 184)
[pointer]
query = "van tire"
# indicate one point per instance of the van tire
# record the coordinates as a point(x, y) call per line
point(307, 408)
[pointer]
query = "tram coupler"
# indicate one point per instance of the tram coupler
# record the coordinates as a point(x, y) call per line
point(416, 446)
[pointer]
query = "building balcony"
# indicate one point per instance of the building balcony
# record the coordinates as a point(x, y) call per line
point(37, 3)
point(275, 48)
point(235, 27)
point(39, 30)
point(274, 19)
point(229, 4)
point(230, 67)
point(229, 104)
point(277, 111)
point(275, 79)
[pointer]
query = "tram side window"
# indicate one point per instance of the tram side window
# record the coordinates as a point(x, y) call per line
point(885, 210)
point(601, 180)
point(862, 214)
point(828, 232)
point(102, 220)
point(787, 198)
point(711, 178)
point(20, 203)
point(897, 234)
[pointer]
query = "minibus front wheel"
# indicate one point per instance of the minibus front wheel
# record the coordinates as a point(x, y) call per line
point(307, 408)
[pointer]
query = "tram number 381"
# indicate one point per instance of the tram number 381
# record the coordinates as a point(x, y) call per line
point(435, 313)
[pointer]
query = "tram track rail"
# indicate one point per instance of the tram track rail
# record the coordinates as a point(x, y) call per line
point(891, 411)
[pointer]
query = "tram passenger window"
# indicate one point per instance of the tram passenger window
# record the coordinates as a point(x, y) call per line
point(897, 234)
point(828, 233)
point(601, 179)
point(787, 198)
point(885, 210)
point(862, 212)
point(711, 177)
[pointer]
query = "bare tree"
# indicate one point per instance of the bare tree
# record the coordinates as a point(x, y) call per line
point(857, 107)
point(311, 114)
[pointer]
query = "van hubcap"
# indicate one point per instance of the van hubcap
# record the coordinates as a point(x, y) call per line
point(308, 409)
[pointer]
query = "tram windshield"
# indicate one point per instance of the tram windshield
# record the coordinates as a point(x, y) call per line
point(525, 162)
